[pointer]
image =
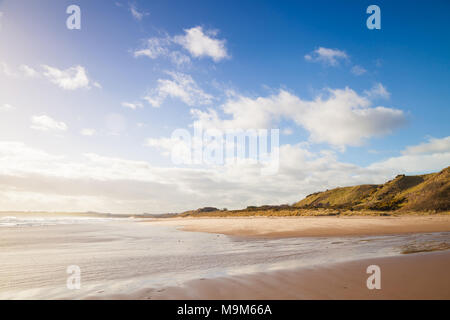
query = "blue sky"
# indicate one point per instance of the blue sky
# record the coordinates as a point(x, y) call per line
point(353, 105)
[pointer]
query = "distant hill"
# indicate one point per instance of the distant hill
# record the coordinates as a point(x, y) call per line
point(429, 192)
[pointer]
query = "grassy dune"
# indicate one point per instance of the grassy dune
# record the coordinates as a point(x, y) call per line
point(430, 192)
point(423, 194)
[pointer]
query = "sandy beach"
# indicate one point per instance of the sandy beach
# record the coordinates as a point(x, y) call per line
point(418, 276)
point(282, 227)
point(408, 276)
point(224, 258)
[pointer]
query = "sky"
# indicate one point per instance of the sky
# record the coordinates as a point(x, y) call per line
point(87, 115)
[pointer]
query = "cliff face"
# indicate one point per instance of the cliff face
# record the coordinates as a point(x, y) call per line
point(412, 193)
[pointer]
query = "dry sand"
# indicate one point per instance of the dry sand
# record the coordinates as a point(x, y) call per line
point(311, 226)
point(417, 276)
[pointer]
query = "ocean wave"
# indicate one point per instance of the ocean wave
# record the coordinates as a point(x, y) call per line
point(11, 221)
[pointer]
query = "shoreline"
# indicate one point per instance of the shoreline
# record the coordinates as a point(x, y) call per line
point(413, 276)
point(286, 227)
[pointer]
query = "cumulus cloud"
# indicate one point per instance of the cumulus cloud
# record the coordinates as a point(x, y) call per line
point(346, 118)
point(201, 43)
point(46, 123)
point(69, 79)
point(180, 86)
point(327, 56)
point(196, 41)
point(341, 118)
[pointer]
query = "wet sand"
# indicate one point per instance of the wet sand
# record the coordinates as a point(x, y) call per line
point(415, 276)
point(284, 227)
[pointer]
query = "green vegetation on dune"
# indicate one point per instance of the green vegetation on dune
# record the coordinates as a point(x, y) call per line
point(428, 193)
point(339, 198)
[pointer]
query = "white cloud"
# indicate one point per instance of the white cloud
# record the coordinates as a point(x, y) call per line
point(6, 107)
point(70, 79)
point(154, 47)
point(246, 113)
point(179, 58)
point(433, 145)
point(88, 132)
point(17, 158)
point(327, 56)
point(197, 42)
point(378, 91)
point(28, 71)
point(202, 44)
point(43, 181)
point(430, 156)
point(132, 105)
point(345, 118)
point(138, 15)
point(46, 123)
point(160, 47)
point(342, 118)
point(414, 163)
point(358, 70)
point(181, 86)
point(1, 18)
point(7, 70)
point(22, 71)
